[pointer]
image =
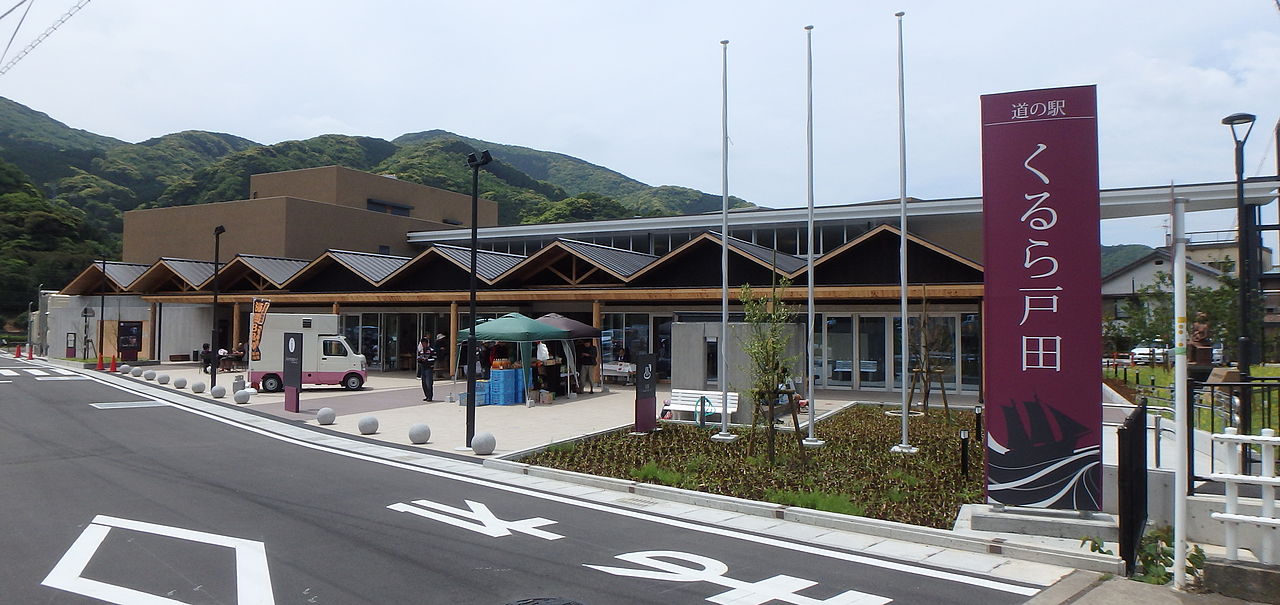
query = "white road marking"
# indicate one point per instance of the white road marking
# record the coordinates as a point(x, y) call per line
point(777, 588)
point(715, 531)
point(35, 372)
point(65, 372)
point(63, 378)
point(253, 578)
point(8, 373)
point(120, 405)
point(489, 524)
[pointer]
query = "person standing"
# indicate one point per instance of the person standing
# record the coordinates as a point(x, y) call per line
point(587, 363)
point(426, 368)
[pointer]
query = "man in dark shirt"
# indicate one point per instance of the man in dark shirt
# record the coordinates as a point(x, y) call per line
point(426, 368)
point(587, 363)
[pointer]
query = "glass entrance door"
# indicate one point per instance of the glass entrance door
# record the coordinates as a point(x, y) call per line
point(871, 352)
point(839, 352)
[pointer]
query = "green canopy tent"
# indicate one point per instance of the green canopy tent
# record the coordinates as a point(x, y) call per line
point(517, 328)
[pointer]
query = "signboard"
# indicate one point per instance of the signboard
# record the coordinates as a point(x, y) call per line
point(646, 393)
point(1042, 319)
point(256, 319)
point(292, 370)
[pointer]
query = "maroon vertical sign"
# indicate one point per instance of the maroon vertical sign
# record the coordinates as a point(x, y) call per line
point(1042, 321)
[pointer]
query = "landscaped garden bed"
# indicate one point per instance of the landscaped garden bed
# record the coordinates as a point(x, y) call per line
point(855, 473)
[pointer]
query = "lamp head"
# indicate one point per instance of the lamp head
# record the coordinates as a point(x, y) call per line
point(219, 230)
point(964, 434)
point(1239, 119)
point(475, 162)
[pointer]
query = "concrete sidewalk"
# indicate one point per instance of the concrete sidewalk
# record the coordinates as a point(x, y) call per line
point(396, 400)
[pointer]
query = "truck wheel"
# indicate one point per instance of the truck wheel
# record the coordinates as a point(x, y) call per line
point(271, 383)
point(352, 382)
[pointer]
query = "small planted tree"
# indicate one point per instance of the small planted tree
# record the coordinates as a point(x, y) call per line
point(769, 320)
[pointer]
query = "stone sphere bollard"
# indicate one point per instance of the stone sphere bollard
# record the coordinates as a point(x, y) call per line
point(135, 372)
point(238, 384)
point(162, 378)
point(149, 375)
point(482, 444)
point(326, 416)
point(420, 433)
point(180, 383)
point(368, 425)
point(197, 387)
point(218, 391)
point(124, 368)
point(241, 396)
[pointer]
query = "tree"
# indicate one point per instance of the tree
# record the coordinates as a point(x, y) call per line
point(583, 207)
point(769, 319)
point(1148, 315)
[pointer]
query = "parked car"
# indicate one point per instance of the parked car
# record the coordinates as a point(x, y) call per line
point(1218, 355)
point(1149, 353)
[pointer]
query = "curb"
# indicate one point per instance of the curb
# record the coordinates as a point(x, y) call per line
point(1093, 562)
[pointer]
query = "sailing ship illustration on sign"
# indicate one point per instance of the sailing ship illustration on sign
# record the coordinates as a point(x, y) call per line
point(1041, 465)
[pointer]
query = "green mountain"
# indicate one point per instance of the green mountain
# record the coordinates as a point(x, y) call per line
point(579, 176)
point(44, 148)
point(1115, 257)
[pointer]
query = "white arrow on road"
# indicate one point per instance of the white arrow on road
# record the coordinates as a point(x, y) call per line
point(484, 522)
point(778, 588)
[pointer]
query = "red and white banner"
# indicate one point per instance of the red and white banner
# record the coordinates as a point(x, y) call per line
point(1042, 319)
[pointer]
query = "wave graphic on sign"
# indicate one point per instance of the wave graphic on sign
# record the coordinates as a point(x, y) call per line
point(1040, 464)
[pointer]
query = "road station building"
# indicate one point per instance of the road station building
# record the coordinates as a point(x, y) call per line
point(407, 272)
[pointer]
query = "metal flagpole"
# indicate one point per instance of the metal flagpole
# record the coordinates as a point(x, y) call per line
point(904, 447)
point(722, 372)
point(1179, 388)
point(811, 441)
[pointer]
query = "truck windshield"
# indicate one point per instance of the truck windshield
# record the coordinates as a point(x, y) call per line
point(334, 348)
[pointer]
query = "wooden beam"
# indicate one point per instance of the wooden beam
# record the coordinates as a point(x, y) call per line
point(600, 294)
point(235, 324)
point(453, 338)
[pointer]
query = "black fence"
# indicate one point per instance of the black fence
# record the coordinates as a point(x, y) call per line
point(1131, 479)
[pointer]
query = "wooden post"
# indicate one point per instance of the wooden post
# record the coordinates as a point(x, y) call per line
point(597, 322)
point(154, 352)
point(337, 309)
point(453, 339)
point(235, 326)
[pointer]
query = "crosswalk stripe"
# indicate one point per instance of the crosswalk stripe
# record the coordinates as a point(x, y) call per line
point(118, 405)
point(63, 378)
point(65, 372)
point(35, 372)
point(8, 373)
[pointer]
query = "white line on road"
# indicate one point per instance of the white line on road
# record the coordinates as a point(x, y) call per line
point(120, 405)
point(63, 378)
point(35, 372)
point(717, 531)
point(8, 373)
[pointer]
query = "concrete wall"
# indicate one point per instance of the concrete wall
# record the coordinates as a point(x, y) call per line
point(689, 359)
point(278, 226)
point(353, 188)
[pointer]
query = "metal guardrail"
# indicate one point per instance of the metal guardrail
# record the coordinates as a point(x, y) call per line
point(1267, 522)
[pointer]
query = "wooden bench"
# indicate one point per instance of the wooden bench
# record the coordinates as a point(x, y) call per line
point(690, 401)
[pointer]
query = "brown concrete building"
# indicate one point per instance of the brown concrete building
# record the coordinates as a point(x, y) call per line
point(300, 214)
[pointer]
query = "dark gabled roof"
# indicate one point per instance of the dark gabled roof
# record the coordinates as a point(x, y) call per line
point(489, 265)
point(373, 267)
point(185, 274)
point(625, 263)
point(118, 277)
point(124, 274)
point(877, 232)
point(276, 269)
point(1165, 255)
point(786, 263)
point(194, 272)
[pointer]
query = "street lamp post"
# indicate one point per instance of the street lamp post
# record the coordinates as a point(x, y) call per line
point(213, 338)
point(1244, 237)
point(474, 163)
point(102, 310)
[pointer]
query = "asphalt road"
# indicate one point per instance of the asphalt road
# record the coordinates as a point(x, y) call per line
point(111, 496)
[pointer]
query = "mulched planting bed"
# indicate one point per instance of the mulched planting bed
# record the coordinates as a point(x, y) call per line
point(854, 473)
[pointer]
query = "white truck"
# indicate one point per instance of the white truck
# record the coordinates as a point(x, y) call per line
point(326, 356)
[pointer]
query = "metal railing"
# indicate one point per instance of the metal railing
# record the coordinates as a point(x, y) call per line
point(1238, 447)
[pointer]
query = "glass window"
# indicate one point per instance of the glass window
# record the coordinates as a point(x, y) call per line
point(334, 348)
point(970, 351)
point(713, 361)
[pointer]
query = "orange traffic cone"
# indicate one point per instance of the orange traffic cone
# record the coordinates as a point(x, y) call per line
point(99, 368)
point(113, 364)
point(17, 351)
point(31, 351)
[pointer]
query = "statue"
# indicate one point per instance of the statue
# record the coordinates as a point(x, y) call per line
point(1199, 345)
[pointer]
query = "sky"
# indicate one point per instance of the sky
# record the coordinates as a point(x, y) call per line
point(636, 86)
